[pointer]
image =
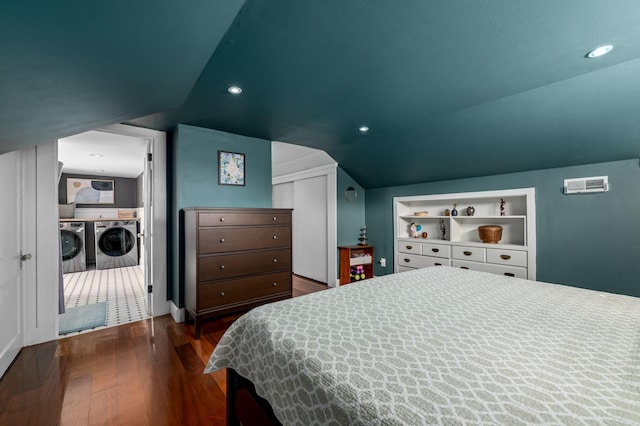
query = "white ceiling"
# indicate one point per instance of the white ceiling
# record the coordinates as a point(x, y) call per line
point(122, 156)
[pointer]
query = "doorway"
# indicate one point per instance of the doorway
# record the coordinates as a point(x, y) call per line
point(104, 192)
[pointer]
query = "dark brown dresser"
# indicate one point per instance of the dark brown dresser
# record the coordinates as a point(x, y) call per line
point(235, 259)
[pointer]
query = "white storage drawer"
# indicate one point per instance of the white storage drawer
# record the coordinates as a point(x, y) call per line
point(409, 247)
point(437, 250)
point(507, 257)
point(469, 253)
point(417, 261)
point(510, 271)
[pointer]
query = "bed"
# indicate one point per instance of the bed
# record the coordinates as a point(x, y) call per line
point(434, 346)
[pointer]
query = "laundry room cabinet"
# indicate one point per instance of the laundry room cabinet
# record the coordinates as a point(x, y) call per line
point(235, 259)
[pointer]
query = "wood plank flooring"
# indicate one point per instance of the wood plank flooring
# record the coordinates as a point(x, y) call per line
point(147, 372)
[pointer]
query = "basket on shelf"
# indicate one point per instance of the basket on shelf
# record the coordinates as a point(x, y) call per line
point(490, 234)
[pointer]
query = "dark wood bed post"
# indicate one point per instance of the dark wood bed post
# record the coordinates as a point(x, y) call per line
point(244, 406)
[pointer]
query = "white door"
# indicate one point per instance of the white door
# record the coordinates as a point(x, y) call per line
point(147, 226)
point(11, 333)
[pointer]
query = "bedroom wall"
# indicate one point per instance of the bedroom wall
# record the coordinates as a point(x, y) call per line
point(590, 241)
point(194, 168)
point(351, 214)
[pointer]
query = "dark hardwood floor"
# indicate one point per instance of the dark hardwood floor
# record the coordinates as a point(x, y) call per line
point(148, 372)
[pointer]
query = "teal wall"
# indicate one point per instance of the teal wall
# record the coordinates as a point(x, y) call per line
point(351, 214)
point(590, 241)
point(194, 183)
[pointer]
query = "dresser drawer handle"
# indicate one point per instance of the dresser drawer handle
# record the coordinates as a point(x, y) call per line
point(222, 219)
point(222, 294)
point(275, 260)
point(505, 256)
point(275, 218)
point(275, 237)
point(409, 247)
point(275, 284)
point(407, 260)
point(222, 240)
point(467, 253)
point(437, 264)
point(509, 274)
point(435, 250)
point(463, 267)
point(221, 266)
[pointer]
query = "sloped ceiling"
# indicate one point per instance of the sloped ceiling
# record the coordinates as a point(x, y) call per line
point(449, 89)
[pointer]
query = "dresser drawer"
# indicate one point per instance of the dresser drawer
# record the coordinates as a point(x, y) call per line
point(214, 218)
point(507, 257)
point(409, 247)
point(510, 271)
point(219, 240)
point(221, 293)
point(437, 250)
point(417, 261)
point(216, 267)
point(469, 253)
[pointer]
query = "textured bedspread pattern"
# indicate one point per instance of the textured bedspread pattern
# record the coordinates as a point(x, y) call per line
point(442, 346)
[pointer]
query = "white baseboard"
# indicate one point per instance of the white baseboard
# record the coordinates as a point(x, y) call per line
point(177, 313)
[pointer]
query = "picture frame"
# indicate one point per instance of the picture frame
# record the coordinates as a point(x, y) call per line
point(231, 168)
point(90, 191)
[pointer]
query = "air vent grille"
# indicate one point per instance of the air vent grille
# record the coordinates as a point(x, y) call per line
point(586, 185)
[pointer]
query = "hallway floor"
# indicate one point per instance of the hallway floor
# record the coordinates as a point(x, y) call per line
point(122, 289)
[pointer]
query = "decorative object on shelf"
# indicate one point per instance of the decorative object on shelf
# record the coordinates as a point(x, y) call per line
point(425, 235)
point(230, 168)
point(414, 230)
point(502, 202)
point(421, 213)
point(357, 273)
point(443, 228)
point(454, 211)
point(470, 211)
point(447, 212)
point(490, 234)
point(363, 236)
point(350, 193)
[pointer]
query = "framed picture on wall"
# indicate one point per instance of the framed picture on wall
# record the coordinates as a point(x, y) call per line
point(230, 168)
point(90, 191)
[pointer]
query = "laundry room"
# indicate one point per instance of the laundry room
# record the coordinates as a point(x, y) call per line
point(101, 196)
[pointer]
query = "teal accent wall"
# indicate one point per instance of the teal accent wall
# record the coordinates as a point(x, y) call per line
point(351, 214)
point(590, 240)
point(195, 181)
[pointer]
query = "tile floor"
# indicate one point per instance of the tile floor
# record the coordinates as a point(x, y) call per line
point(122, 289)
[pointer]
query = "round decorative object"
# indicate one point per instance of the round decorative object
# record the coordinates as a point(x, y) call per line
point(425, 235)
point(447, 212)
point(470, 211)
point(350, 193)
point(490, 234)
point(454, 212)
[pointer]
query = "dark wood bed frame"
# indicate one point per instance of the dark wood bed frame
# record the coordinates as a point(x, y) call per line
point(244, 406)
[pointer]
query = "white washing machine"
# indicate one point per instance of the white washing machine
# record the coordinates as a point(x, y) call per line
point(116, 243)
point(72, 243)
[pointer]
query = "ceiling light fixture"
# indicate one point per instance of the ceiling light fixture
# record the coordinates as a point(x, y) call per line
point(96, 154)
point(99, 171)
point(363, 129)
point(234, 90)
point(600, 51)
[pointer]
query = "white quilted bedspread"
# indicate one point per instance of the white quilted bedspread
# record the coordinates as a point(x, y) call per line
point(442, 346)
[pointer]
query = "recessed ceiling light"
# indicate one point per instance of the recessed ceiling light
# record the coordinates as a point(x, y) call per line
point(599, 51)
point(234, 90)
point(363, 129)
point(99, 171)
point(96, 154)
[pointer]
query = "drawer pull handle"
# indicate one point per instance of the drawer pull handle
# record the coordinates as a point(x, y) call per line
point(407, 260)
point(509, 274)
point(222, 294)
point(463, 267)
point(437, 264)
point(409, 247)
point(222, 219)
point(275, 260)
point(275, 237)
point(505, 256)
point(221, 266)
point(435, 250)
point(275, 284)
point(467, 253)
point(222, 240)
point(275, 218)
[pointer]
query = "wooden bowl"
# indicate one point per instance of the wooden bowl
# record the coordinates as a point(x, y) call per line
point(490, 234)
point(421, 213)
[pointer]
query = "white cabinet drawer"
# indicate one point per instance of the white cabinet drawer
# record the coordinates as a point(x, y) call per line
point(417, 261)
point(469, 253)
point(409, 247)
point(510, 271)
point(437, 250)
point(507, 257)
point(405, 269)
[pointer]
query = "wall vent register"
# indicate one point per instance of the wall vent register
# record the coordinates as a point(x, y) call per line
point(586, 185)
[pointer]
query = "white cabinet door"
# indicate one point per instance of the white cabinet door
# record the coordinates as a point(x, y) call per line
point(11, 335)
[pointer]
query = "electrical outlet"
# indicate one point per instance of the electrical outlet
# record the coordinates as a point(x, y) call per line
point(383, 262)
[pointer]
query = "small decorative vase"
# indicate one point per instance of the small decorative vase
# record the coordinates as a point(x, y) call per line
point(470, 211)
point(454, 212)
point(425, 235)
point(447, 212)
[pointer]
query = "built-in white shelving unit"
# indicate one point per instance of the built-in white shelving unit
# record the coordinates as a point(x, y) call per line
point(454, 240)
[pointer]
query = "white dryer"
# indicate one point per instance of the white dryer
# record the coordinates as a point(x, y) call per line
point(72, 247)
point(116, 243)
